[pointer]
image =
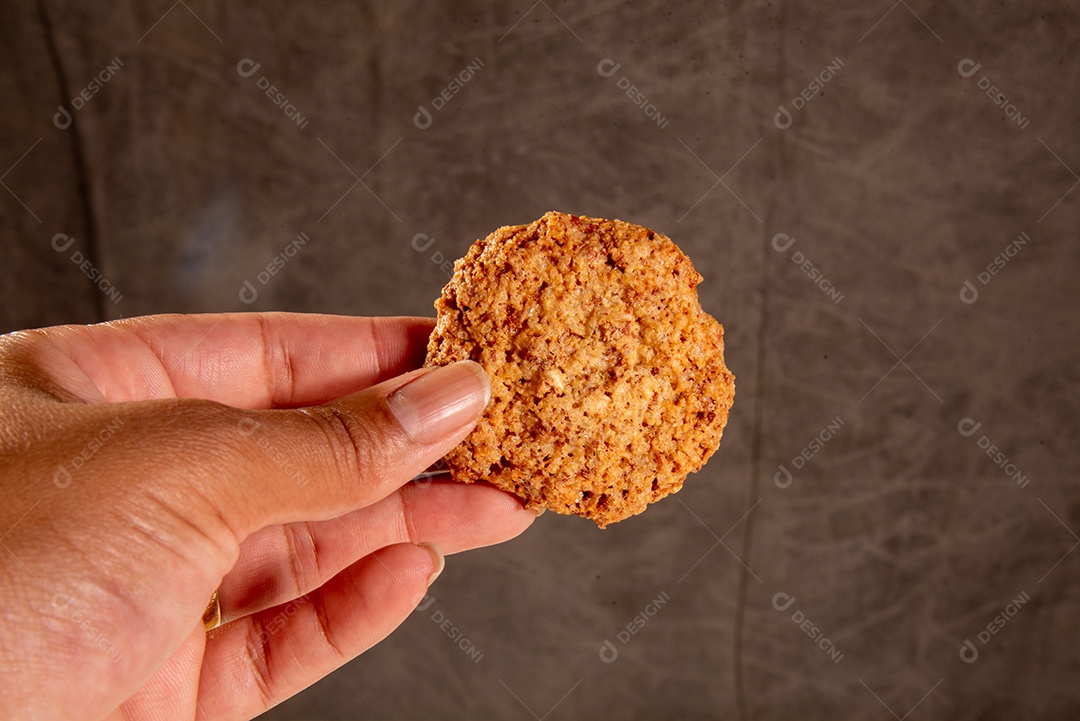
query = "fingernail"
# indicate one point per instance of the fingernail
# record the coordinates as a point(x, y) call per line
point(539, 511)
point(440, 402)
point(437, 558)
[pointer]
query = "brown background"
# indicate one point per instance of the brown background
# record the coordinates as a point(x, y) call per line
point(899, 539)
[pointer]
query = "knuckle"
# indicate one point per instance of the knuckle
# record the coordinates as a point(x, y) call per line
point(27, 358)
point(195, 414)
point(356, 439)
point(206, 429)
point(257, 658)
point(324, 623)
point(192, 451)
point(279, 363)
point(303, 550)
point(195, 444)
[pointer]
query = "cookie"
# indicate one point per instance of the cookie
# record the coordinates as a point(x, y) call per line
point(608, 383)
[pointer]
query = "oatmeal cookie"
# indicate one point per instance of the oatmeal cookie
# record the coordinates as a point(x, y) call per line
point(608, 383)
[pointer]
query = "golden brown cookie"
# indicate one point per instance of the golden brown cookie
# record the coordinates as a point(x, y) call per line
point(608, 383)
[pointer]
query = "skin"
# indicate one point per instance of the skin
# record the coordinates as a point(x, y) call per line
point(147, 462)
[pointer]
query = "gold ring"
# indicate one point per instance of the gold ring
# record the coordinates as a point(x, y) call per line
point(211, 617)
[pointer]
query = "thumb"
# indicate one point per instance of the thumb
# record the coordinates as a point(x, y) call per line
point(324, 461)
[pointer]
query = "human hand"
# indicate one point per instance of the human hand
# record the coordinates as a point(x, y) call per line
point(148, 462)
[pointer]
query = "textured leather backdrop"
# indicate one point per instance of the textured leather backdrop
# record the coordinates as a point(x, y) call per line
point(837, 172)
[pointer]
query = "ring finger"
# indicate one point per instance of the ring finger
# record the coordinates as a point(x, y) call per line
point(280, 563)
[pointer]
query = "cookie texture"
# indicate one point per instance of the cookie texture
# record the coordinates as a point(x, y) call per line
point(608, 379)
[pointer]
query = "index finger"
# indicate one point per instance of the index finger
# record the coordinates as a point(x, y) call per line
point(245, 360)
